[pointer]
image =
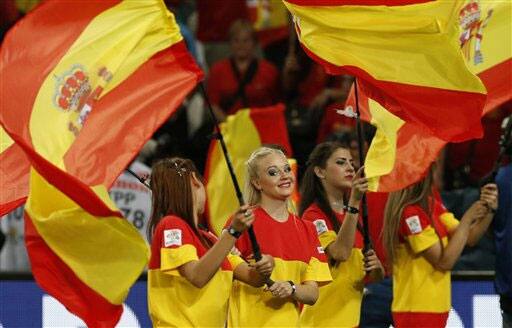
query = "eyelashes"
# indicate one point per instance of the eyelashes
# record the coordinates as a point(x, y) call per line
point(275, 171)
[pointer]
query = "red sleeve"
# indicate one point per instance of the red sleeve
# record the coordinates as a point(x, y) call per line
point(316, 248)
point(316, 216)
point(414, 220)
point(175, 233)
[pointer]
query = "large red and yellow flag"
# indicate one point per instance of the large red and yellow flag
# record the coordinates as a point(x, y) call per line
point(402, 151)
point(83, 85)
point(406, 54)
point(243, 132)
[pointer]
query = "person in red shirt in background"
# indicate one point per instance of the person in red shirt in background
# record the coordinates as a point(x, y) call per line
point(423, 246)
point(242, 80)
point(331, 194)
point(190, 267)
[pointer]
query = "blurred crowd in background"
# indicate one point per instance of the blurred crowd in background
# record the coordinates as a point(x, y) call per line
point(252, 59)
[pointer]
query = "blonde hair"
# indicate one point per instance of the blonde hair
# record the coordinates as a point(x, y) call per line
point(251, 194)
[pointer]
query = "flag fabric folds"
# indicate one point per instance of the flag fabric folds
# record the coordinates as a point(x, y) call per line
point(486, 41)
point(402, 151)
point(243, 132)
point(406, 55)
point(14, 168)
point(83, 85)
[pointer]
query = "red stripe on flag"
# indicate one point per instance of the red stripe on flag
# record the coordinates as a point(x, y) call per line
point(55, 277)
point(397, 96)
point(271, 129)
point(416, 150)
point(70, 185)
point(130, 113)
point(498, 81)
point(45, 52)
point(14, 168)
point(389, 3)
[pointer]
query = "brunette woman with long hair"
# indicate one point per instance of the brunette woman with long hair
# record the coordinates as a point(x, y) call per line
point(190, 271)
point(422, 242)
point(331, 192)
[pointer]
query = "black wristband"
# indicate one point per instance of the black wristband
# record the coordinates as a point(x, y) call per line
point(294, 288)
point(351, 209)
point(233, 232)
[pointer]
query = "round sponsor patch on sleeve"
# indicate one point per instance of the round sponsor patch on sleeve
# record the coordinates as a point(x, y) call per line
point(172, 237)
point(320, 226)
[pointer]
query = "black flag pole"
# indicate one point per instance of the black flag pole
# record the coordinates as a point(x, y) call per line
point(360, 145)
point(218, 135)
point(141, 180)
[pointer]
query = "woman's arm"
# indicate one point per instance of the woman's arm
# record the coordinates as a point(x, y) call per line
point(255, 275)
point(489, 195)
point(199, 272)
point(306, 293)
point(444, 260)
point(341, 248)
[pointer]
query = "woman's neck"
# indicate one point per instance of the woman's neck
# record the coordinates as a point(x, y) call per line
point(242, 63)
point(276, 208)
point(335, 198)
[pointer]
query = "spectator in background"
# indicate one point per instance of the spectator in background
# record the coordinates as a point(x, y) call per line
point(213, 22)
point(309, 92)
point(502, 226)
point(242, 80)
point(468, 162)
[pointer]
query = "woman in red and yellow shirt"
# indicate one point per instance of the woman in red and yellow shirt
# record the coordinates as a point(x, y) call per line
point(328, 181)
point(422, 243)
point(300, 264)
point(190, 272)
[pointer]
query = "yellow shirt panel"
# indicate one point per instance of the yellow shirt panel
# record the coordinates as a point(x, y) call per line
point(339, 303)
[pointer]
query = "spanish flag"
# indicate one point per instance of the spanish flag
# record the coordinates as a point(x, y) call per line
point(243, 132)
point(269, 19)
point(402, 151)
point(84, 84)
point(406, 54)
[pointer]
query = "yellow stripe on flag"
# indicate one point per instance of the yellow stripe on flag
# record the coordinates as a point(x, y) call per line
point(242, 138)
point(5, 140)
point(413, 36)
point(111, 60)
point(92, 244)
point(381, 155)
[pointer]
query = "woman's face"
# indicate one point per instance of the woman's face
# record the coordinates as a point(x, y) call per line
point(339, 169)
point(242, 45)
point(275, 177)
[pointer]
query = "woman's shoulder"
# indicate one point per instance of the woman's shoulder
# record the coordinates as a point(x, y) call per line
point(313, 212)
point(173, 221)
point(413, 209)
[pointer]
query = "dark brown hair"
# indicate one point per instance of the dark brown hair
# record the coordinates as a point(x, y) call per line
point(311, 188)
point(171, 193)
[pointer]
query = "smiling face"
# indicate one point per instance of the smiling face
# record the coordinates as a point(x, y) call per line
point(274, 177)
point(339, 169)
